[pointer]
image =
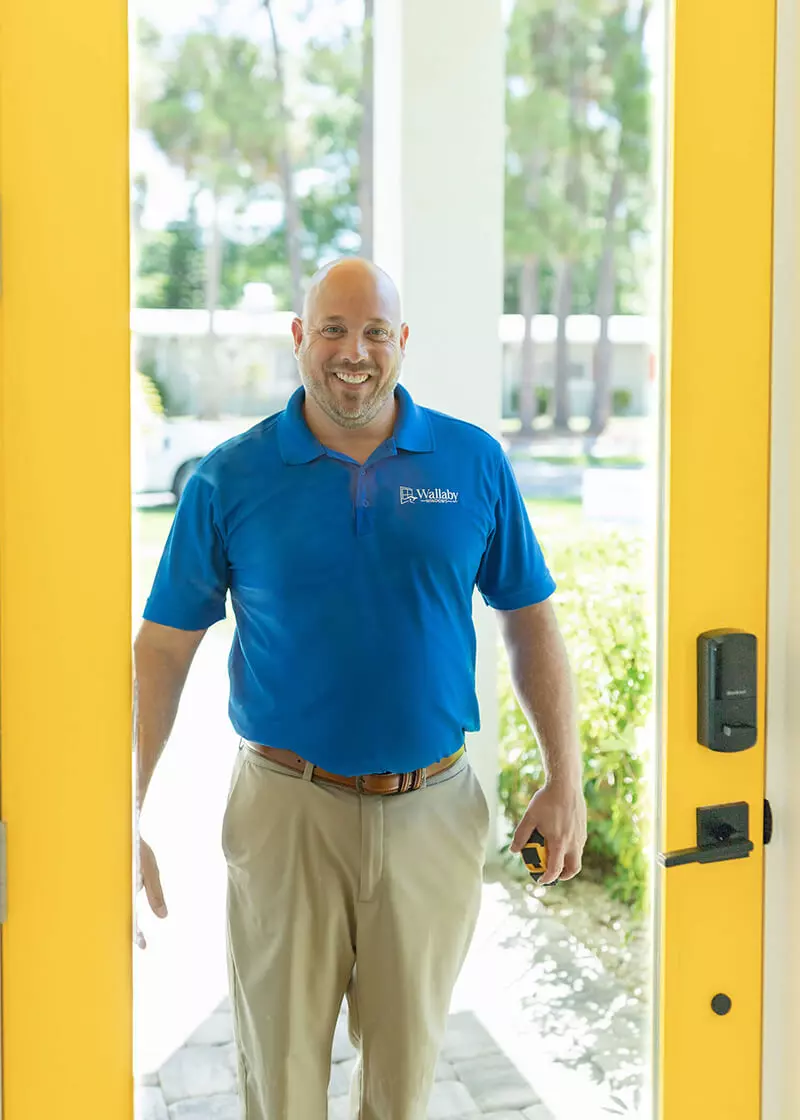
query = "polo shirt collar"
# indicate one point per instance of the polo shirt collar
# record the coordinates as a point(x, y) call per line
point(298, 444)
point(412, 432)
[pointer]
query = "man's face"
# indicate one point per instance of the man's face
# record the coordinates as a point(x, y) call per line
point(350, 346)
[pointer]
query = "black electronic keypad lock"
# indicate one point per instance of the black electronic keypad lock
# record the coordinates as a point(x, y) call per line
point(726, 690)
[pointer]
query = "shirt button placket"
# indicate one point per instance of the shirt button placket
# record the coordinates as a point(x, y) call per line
point(363, 505)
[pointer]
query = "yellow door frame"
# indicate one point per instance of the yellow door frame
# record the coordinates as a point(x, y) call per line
point(65, 541)
point(65, 559)
point(715, 538)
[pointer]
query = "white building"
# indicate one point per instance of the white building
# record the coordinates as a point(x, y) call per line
point(254, 360)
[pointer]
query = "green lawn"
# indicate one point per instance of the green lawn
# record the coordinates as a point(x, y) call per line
point(577, 460)
point(550, 518)
point(150, 529)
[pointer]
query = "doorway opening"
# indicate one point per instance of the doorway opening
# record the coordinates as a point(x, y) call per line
point(253, 144)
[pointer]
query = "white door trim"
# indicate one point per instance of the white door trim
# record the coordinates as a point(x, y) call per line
point(781, 1030)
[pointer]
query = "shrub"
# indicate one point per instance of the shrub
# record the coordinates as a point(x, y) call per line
point(600, 604)
point(621, 401)
point(150, 392)
point(541, 395)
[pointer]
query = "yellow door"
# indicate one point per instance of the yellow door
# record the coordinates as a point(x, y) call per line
point(714, 556)
point(65, 771)
point(65, 679)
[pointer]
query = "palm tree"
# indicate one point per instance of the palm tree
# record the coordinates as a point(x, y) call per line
point(292, 214)
point(629, 167)
point(366, 143)
point(216, 116)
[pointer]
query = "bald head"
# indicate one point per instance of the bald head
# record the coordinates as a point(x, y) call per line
point(347, 280)
point(350, 343)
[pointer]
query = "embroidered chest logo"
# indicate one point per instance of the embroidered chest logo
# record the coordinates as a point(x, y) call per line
point(408, 495)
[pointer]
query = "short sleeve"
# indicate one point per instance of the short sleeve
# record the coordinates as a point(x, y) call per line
point(191, 583)
point(513, 572)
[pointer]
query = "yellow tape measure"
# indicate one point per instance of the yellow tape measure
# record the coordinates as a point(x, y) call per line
point(534, 853)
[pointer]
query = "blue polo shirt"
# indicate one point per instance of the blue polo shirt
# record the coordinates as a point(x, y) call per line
point(351, 585)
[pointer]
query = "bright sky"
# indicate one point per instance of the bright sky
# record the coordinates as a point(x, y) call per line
point(305, 17)
point(298, 20)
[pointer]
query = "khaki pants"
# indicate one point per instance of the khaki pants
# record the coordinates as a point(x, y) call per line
point(334, 893)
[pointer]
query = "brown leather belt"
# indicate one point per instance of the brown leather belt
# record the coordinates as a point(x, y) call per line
point(364, 783)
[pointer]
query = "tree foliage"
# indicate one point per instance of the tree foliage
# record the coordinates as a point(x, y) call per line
point(577, 195)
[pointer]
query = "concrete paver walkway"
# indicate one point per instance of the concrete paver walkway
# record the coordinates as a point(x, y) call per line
point(538, 1031)
point(473, 1079)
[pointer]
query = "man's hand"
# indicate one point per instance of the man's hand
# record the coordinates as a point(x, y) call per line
point(558, 810)
point(149, 878)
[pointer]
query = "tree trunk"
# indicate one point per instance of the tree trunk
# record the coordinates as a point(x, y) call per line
point(366, 147)
point(602, 373)
point(139, 190)
point(208, 405)
point(563, 309)
point(645, 9)
point(138, 206)
point(576, 196)
point(606, 282)
point(529, 306)
point(213, 264)
point(292, 212)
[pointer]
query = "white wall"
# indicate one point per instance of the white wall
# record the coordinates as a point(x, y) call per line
point(439, 179)
point(781, 1092)
point(255, 362)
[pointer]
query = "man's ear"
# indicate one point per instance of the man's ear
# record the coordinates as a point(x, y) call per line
point(297, 333)
point(403, 337)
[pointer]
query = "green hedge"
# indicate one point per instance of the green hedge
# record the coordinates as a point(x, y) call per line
point(601, 599)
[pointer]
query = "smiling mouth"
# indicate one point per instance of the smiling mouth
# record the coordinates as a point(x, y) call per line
point(352, 379)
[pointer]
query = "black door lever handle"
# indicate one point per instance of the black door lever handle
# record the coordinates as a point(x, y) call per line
point(722, 834)
point(728, 849)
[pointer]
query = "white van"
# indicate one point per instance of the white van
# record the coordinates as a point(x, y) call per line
point(165, 450)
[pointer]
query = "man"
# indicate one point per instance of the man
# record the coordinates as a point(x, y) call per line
point(351, 530)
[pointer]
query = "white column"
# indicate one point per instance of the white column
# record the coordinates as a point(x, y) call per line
point(439, 155)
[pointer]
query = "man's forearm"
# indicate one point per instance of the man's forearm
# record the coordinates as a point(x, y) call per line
point(158, 683)
point(543, 684)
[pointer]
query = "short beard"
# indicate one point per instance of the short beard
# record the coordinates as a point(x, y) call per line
point(327, 401)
